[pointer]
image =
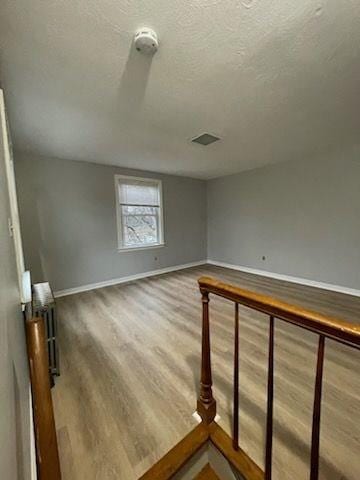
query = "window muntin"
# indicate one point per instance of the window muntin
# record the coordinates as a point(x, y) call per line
point(139, 207)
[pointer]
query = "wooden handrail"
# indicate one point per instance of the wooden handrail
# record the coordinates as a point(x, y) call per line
point(331, 327)
point(47, 456)
point(324, 326)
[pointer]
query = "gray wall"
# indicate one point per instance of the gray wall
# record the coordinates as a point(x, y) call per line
point(68, 221)
point(14, 379)
point(304, 217)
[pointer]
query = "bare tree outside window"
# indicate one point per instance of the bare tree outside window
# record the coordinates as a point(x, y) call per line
point(139, 211)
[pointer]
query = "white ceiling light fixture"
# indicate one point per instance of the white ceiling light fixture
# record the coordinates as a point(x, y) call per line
point(146, 41)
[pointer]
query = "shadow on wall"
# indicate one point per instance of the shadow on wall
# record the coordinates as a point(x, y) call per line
point(19, 434)
point(57, 244)
point(44, 221)
point(32, 238)
point(16, 369)
point(49, 237)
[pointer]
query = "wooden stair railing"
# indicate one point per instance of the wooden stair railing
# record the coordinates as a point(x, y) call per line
point(47, 456)
point(200, 437)
point(324, 326)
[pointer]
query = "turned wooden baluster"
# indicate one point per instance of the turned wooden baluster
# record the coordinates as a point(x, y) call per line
point(236, 381)
point(326, 327)
point(47, 456)
point(206, 405)
point(270, 404)
point(315, 439)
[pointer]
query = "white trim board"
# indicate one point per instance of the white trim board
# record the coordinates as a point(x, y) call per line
point(264, 273)
point(289, 278)
point(130, 278)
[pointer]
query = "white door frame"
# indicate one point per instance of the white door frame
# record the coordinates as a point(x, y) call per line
point(14, 221)
point(14, 230)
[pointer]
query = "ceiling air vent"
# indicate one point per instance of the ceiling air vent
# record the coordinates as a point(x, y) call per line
point(205, 139)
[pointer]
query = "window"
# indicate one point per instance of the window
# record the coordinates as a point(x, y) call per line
point(139, 212)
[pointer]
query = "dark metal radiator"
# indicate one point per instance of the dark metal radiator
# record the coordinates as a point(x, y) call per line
point(43, 304)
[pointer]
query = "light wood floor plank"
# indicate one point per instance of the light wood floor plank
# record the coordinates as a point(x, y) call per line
point(130, 359)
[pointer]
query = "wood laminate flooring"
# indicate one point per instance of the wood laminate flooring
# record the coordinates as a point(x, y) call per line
point(130, 357)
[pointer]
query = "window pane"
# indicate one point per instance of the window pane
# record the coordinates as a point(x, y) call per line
point(135, 194)
point(140, 225)
point(139, 210)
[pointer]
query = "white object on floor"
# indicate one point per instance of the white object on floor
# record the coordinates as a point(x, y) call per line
point(198, 418)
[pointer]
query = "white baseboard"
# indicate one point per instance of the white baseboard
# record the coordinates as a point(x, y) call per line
point(255, 271)
point(289, 278)
point(130, 278)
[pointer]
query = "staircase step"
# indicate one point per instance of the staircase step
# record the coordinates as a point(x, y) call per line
point(178, 456)
point(207, 473)
point(238, 458)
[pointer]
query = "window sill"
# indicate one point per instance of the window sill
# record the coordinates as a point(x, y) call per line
point(136, 249)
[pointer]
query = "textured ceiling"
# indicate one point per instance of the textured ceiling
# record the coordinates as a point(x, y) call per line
point(276, 80)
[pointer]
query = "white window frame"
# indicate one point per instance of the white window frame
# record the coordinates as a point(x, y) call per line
point(119, 216)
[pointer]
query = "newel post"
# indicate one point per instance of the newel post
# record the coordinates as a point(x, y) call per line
point(206, 405)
